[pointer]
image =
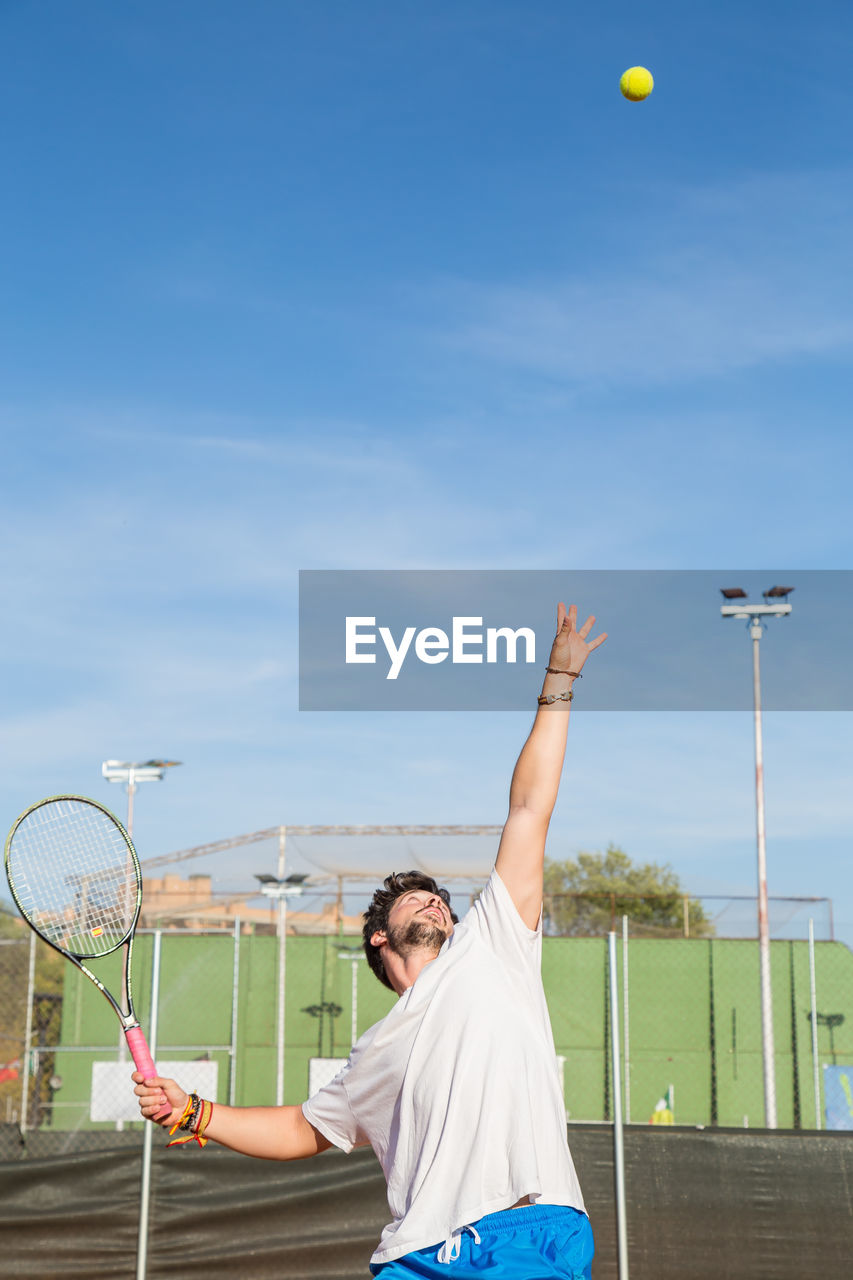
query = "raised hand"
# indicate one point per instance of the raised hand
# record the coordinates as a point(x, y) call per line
point(571, 648)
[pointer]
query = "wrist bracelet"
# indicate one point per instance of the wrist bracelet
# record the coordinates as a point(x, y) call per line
point(204, 1121)
point(193, 1122)
point(188, 1120)
point(558, 671)
point(545, 699)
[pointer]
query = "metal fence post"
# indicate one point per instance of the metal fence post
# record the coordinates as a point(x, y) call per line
point(813, 996)
point(28, 1036)
point(235, 1003)
point(626, 1020)
point(145, 1189)
point(618, 1147)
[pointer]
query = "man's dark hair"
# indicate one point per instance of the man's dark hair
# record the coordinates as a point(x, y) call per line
point(376, 915)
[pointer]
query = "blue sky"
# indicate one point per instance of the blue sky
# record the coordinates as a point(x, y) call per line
point(401, 285)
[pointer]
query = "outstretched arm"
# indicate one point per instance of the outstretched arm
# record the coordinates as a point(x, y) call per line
point(536, 779)
point(271, 1133)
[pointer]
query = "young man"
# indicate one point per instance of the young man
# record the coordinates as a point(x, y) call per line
point(456, 1089)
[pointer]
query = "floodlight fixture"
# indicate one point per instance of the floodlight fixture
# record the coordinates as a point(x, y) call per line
point(776, 605)
point(273, 887)
point(830, 1021)
point(132, 773)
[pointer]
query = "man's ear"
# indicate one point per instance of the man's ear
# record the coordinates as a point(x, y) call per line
point(379, 939)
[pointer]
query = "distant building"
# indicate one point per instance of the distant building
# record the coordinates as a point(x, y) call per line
point(173, 902)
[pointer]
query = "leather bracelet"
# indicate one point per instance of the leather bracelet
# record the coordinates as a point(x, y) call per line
point(558, 671)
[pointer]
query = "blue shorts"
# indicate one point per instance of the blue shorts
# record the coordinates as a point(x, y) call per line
point(547, 1242)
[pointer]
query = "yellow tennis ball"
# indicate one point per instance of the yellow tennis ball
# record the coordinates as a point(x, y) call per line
point(636, 84)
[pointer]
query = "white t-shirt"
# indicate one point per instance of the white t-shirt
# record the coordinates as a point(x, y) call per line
point(457, 1089)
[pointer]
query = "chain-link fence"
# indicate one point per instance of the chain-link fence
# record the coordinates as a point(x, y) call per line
point(15, 953)
point(65, 1084)
point(690, 1030)
point(690, 1009)
point(683, 915)
point(689, 1018)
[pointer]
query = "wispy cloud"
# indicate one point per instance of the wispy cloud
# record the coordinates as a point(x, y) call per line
point(744, 281)
point(343, 449)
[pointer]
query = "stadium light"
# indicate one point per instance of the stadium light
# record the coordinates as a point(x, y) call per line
point(272, 887)
point(132, 773)
point(775, 606)
point(279, 888)
point(830, 1021)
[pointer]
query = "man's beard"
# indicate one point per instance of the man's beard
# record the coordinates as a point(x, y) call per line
point(417, 935)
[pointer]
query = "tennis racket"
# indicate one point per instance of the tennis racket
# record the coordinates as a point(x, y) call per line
point(75, 878)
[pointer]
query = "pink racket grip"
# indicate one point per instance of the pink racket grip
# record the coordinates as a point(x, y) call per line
point(143, 1061)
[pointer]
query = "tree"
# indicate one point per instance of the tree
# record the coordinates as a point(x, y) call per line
point(588, 897)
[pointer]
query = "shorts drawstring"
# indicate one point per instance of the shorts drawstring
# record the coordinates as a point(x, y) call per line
point(452, 1247)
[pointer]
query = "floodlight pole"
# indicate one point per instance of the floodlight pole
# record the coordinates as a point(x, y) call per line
point(755, 614)
point(767, 1039)
point(131, 792)
point(280, 888)
point(618, 1137)
point(354, 955)
point(354, 1003)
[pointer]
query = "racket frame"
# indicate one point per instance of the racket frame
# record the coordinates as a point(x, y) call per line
point(127, 1016)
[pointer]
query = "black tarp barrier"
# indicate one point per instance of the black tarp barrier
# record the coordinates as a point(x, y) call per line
point(702, 1205)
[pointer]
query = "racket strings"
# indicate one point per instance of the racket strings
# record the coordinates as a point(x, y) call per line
point(74, 876)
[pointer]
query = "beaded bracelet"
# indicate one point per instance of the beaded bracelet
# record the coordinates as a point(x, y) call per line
point(188, 1122)
point(545, 699)
point(193, 1121)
